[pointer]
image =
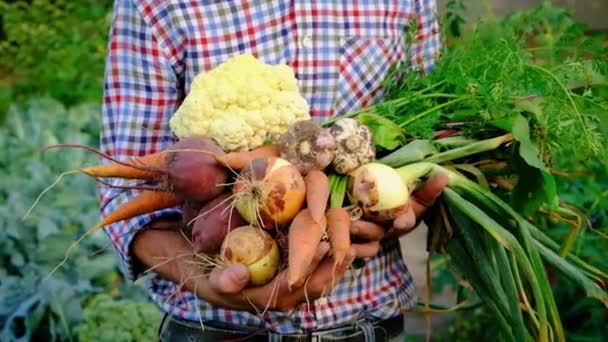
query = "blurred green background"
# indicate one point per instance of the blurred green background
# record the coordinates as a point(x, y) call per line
point(51, 72)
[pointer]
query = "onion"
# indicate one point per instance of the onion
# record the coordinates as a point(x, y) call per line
point(379, 191)
point(254, 248)
point(269, 192)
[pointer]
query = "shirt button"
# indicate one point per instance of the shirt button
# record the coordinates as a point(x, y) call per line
point(306, 42)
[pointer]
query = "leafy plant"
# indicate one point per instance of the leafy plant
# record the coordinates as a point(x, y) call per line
point(106, 319)
point(53, 48)
point(33, 306)
point(485, 74)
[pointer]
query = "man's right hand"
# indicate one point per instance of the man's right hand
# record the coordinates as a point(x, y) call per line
point(231, 281)
point(161, 247)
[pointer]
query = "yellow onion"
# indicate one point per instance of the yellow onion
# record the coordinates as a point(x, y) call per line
point(379, 191)
point(269, 192)
point(254, 248)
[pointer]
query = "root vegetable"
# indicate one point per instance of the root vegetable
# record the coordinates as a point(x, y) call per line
point(189, 168)
point(354, 145)
point(379, 191)
point(189, 211)
point(338, 231)
point(254, 248)
point(144, 203)
point(148, 167)
point(193, 175)
point(215, 219)
point(269, 192)
point(304, 237)
point(236, 161)
point(307, 145)
point(317, 193)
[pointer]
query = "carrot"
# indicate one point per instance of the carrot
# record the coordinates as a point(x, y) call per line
point(238, 160)
point(338, 231)
point(304, 237)
point(317, 193)
point(148, 167)
point(146, 202)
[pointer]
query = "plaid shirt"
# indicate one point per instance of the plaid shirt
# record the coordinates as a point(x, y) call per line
point(340, 52)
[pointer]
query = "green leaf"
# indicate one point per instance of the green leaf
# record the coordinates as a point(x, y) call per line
point(527, 149)
point(535, 188)
point(415, 150)
point(386, 133)
point(46, 227)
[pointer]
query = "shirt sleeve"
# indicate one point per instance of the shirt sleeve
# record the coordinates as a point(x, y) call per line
point(141, 92)
point(427, 40)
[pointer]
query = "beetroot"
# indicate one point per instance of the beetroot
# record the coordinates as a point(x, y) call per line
point(217, 217)
point(196, 176)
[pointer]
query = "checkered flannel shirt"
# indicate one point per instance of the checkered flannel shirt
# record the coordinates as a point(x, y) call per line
point(339, 51)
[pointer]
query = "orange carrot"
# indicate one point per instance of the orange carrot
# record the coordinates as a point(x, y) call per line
point(304, 237)
point(148, 167)
point(338, 231)
point(317, 193)
point(238, 160)
point(146, 202)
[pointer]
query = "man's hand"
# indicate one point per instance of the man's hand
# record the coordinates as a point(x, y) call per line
point(366, 236)
point(231, 282)
point(418, 204)
point(167, 253)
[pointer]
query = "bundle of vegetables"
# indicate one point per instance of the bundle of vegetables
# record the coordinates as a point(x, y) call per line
point(490, 116)
point(501, 105)
point(247, 170)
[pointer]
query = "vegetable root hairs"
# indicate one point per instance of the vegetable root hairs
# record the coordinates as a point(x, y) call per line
point(47, 189)
point(146, 167)
point(146, 202)
point(229, 207)
point(149, 166)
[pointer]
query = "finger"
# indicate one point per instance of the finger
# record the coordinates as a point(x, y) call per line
point(328, 275)
point(230, 279)
point(367, 231)
point(366, 250)
point(426, 196)
point(285, 298)
point(322, 251)
point(403, 224)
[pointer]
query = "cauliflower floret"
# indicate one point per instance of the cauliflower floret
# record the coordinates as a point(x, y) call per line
point(240, 103)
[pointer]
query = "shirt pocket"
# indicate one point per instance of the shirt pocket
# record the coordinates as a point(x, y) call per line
point(363, 63)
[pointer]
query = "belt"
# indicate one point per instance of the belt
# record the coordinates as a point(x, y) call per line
point(360, 331)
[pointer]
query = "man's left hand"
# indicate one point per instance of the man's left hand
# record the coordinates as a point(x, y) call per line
point(366, 236)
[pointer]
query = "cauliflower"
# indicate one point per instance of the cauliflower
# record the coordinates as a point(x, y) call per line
point(241, 103)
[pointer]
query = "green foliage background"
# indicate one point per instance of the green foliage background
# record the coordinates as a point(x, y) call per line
point(51, 71)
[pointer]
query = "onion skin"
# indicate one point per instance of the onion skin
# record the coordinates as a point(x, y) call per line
point(269, 192)
point(254, 248)
point(379, 191)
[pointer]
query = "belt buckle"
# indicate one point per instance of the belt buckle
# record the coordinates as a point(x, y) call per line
point(274, 337)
